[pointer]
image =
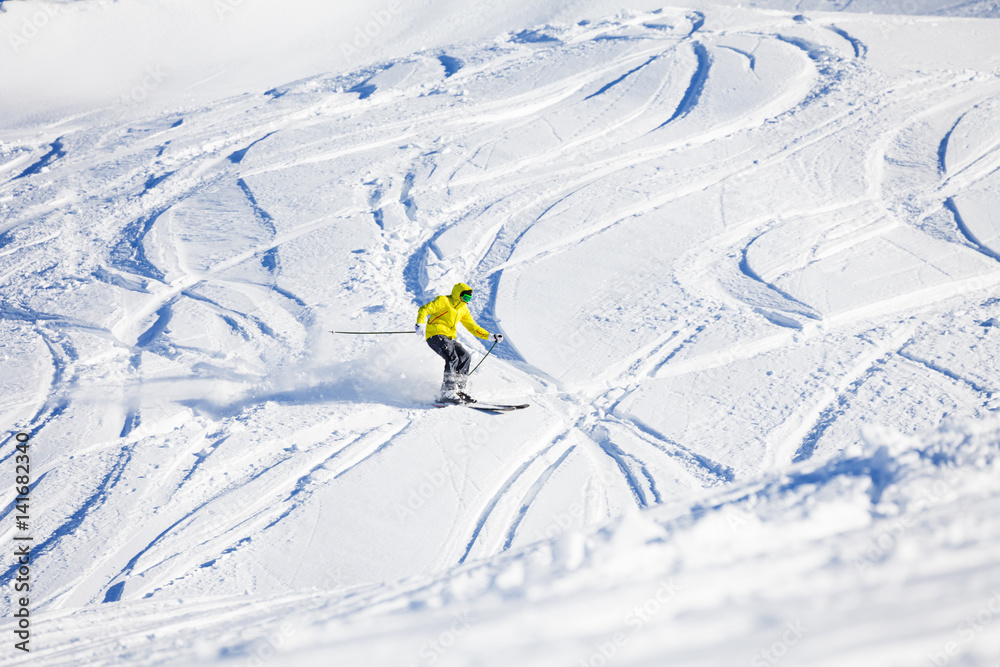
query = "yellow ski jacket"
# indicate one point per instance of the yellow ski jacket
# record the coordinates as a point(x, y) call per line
point(445, 312)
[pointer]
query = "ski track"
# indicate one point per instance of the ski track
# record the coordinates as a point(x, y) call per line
point(127, 329)
point(697, 84)
point(860, 49)
point(501, 505)
point(291, 476)
point(90, 504)
point(530, 496)
point(611, 84)
point(951, 375)
point(967, 233)
point(622, 460)
point(711, 473)
point(797, 306)
point(641, 156)
point(833, 402)
point(56, 151)
point(652, 203)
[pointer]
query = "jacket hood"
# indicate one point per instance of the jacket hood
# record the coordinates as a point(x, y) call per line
point(456, 292)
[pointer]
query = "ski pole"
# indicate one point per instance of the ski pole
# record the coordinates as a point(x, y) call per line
point(371, 333)
point(484, 356)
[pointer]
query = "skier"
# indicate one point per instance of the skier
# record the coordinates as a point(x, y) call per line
point(444, 313)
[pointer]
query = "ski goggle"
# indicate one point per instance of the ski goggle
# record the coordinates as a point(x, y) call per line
point(466, 296)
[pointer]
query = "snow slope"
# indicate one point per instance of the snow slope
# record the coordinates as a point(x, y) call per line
point(746, 263)
point(65, 58)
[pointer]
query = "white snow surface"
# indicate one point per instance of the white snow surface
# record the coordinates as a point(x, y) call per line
point(746, 261)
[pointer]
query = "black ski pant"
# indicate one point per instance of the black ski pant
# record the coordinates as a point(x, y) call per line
point(456, 361)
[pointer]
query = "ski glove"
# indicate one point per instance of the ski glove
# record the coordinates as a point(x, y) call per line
point(496, 338)
point(421, 330)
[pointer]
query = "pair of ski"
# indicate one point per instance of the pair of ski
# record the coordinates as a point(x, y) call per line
point(493, 408)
